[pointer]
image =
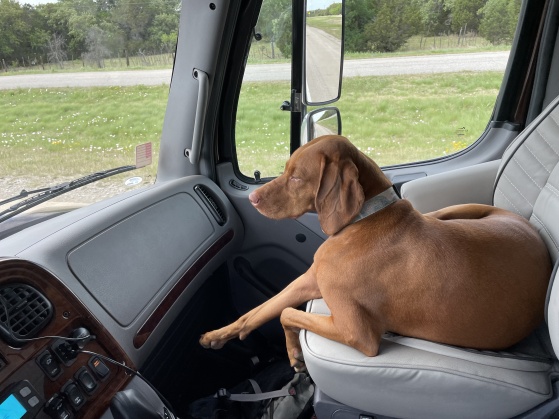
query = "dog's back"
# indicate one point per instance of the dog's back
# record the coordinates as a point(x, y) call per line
point(446, 277)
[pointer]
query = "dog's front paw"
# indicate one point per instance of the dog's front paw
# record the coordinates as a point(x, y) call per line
point(297, 361)
point(211, 340)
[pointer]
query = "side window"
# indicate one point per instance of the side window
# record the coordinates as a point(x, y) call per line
point(262, 129)
point(420, 80)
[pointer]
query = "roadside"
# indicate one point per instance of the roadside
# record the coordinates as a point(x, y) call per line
point(424, 64)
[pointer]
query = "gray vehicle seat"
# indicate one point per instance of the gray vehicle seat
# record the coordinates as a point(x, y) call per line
point(413, 378)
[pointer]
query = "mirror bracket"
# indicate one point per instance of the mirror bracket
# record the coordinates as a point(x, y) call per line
point(285, 106)
point(295, 105)
point(296, 101)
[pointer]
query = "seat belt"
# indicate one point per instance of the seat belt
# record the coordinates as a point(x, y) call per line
point(258, 395)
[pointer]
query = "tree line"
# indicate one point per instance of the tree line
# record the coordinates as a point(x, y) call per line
point(93, 30)
point(386, 25)
point(86, 29)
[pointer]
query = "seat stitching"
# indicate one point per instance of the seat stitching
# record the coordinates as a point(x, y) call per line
point(498, 189)
point(552, 188)
point(536, 157)
point(518, 190)
point(546, 230)
point(545, 139)
point(527, 174)
point(552, 116)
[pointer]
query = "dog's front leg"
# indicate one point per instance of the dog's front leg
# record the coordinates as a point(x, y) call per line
point(302, 289)
point(293, 345)
point(345, 330)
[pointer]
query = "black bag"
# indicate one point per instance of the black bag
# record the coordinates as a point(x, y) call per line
point(284, 395)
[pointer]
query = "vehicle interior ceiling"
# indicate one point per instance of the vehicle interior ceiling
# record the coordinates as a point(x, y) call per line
point(192, 240)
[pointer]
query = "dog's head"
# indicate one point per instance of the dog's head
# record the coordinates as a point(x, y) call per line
point(320, 176)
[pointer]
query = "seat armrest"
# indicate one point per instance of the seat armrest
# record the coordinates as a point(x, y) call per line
point(468, 185)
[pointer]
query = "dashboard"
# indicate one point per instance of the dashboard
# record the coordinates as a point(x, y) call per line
point(112, 276)
point(37, 373)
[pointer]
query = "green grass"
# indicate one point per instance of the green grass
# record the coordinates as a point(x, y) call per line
point(415, 118)
point(70, 132)
point(65, 133)
point(392, 119)
point(329, 24)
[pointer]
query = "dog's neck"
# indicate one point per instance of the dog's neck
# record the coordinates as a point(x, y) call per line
point(377, 203)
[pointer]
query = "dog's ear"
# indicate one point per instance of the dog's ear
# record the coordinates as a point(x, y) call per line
point(339, 197)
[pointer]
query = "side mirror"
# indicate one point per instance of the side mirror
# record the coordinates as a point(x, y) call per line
point(324, 51)
point(323, 121)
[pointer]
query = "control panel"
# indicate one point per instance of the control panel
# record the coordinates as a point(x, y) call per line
point(69, 367)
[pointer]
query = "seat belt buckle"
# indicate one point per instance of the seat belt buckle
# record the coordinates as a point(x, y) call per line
point(222, 393)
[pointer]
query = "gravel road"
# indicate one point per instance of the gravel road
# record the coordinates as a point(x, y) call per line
point(427, 64)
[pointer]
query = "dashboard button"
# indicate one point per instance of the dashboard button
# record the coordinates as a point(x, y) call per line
point(99, 367)
point(33, 401)
point(57, 409)
point(49, 365)
point(74, 395)
point(25, 391)
point(87, 381)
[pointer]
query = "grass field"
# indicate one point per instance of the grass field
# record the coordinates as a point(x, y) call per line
point(64, 133)
point(52, 135)
point(392, 119)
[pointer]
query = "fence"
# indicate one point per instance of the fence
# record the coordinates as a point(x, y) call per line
point(40, 63)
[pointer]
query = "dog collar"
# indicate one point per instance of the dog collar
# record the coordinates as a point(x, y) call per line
point(377, 202)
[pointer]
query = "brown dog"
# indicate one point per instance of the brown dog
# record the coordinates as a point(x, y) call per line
point(467, 275)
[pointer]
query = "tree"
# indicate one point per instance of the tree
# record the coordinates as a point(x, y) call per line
point(96, 49)
point(274, 23)
point(464, 14)
point(55, 16)
point(23, 32)
point(12, 28)
point(334, 9)
point(56, 50)
point(395, 23)
point(497, 21)
point(163, 32)
point(359, 13)
point(434, 17)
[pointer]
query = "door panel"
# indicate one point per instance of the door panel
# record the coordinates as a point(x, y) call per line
point(274, 252)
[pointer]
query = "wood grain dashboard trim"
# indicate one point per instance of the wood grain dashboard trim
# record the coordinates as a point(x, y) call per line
point(155, 318)
point(69, 314)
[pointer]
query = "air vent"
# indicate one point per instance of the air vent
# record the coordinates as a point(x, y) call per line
point(24, 312)
point(211, 203)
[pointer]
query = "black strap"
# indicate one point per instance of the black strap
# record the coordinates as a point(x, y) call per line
point(258, 395)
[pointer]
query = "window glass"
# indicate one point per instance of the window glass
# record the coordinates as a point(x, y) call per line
point(420, 77)
point(70, 104)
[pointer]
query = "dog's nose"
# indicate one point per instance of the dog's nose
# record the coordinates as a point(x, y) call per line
point(253, 198)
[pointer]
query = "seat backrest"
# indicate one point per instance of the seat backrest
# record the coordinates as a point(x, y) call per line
point(528, 183)
point(528, 179)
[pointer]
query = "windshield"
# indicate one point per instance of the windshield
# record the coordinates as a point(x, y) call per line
point(81, 85)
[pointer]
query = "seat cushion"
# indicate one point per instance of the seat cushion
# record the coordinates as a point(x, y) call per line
point(413, 378)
